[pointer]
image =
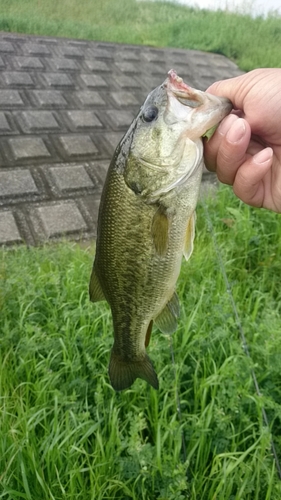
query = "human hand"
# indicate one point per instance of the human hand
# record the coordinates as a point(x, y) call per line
point(245, 150)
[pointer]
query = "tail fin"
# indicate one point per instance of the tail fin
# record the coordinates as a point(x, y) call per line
point(122, 374)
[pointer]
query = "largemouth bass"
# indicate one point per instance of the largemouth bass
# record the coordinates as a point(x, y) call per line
point(146, 220)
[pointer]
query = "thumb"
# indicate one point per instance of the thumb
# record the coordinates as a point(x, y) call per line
point(231, 88)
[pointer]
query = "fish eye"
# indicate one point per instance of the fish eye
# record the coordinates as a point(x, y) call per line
point(150, 114)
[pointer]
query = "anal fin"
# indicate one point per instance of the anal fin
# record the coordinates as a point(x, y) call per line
point(148, 334)
point(166, 321)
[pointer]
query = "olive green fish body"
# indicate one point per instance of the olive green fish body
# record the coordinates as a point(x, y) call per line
point(146, 224)
point(138, 278)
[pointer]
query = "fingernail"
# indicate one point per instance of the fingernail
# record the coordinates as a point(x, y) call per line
point(237, 131)
point(225, 125)
point(263, 156)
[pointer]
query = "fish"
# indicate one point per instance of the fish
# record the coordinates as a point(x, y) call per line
point(146, 221)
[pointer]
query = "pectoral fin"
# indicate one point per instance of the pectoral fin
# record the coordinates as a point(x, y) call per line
point(166, 321)
point(160, 232)
point(95, 289)
point(189, 236)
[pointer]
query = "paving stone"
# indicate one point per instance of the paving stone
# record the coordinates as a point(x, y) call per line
point(61, 63)
point(79, 145)
point(49, 41)
point(201, 64)
point(128, 67)
point(10, 98)
point(91, 205)
point(113, 139)
point(129, 55)
point(179, 56)
point(120, 118)
point(107, 46)
point(4, 125)
point(6, 47)
point(158, 68)
point(13, 37)
point(154, 56)
point(126, 81)
point(60, 219)
point(205, 73)
point(16, 182)
point(39, 120)
point(35, 48)
point(58, 80)
point(83, 119)
point(102, 53)
point(71, 51)
point(124, 98)
point(151, 81)
point(70, 178)
point(28, 147)
point(95, 65)
point(93, 80)
point(8, 229)
point(221, 62)
point(17, 78)
point(89, 98)
point(28, 62)
point(78, 43)
point(99, 169)
point(49, 98)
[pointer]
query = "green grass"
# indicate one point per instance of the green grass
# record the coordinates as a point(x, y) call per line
point(249, 42)
point(65, 434)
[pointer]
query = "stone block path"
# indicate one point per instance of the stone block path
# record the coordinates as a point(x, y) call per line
point(64, 106)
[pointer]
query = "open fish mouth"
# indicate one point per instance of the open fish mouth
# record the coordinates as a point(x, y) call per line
point(176, 83)
point(183, 92)
point(200, 109)
point(183, 100)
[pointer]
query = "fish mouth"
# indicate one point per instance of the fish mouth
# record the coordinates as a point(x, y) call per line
point(183, 92)
point(188, 104)
point(176, 83)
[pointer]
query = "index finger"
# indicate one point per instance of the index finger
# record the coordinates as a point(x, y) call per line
point(211, 147)
point(228, 151)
